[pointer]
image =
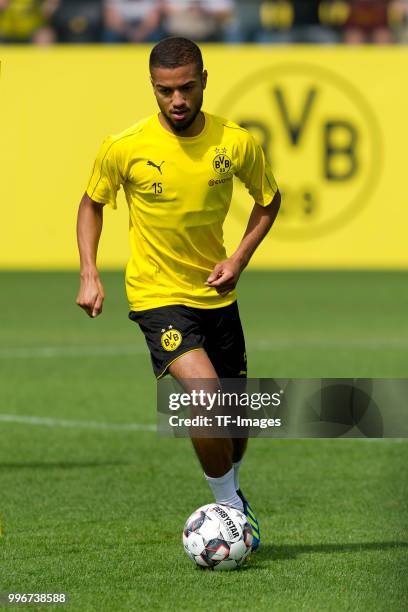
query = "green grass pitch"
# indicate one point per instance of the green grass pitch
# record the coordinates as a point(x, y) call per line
point(95, 509)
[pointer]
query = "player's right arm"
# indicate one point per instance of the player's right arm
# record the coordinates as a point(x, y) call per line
point(89, 227)
point(103, 185)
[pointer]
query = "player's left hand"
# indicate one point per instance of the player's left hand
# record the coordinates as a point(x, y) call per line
point(225, 276)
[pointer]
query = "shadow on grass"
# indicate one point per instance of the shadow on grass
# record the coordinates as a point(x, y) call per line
point(291, 551)
point(269, 552)
point(64, 465)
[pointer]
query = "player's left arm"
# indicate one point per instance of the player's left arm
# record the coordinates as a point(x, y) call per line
point(254, 171)
point(226, 274)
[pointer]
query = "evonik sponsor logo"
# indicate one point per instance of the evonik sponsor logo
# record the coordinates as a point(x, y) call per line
point(213, 182)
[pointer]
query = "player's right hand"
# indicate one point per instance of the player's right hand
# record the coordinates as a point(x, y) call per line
point(91, 296)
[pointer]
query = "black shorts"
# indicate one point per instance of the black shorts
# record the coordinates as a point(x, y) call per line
point(171, 331)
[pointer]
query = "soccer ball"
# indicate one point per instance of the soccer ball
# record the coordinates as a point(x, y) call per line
point(217, 537)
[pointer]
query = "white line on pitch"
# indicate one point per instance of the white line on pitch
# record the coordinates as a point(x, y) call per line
point(275, 344)
point(49, 422)
point(71, 351)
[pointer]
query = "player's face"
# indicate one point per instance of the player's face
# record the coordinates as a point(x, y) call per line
point(179, 94)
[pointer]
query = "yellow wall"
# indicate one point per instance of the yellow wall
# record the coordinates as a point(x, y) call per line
point(333, 120)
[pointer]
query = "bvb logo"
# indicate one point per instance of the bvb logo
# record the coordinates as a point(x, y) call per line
point(222, 163)
point(321, 137)
point(171, 339)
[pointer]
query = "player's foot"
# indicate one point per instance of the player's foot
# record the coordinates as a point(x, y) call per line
point(249, 513)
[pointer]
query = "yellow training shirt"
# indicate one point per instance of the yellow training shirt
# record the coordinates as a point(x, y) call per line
point(178, 191)
point(20, 19)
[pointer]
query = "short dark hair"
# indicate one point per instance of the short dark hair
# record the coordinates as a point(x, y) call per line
point(174, 52)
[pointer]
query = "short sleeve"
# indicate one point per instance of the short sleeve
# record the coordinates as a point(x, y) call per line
point(106, 176)
point(256, 173)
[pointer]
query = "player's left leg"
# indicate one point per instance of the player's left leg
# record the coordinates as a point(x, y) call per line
point(192, 370)
point(225, 345)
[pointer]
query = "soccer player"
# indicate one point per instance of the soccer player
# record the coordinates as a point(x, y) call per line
point(176, 168)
